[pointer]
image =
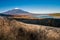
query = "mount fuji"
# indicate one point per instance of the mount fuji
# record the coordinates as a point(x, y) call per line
point(16, 11)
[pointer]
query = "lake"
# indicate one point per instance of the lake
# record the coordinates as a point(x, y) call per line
point(43, 16)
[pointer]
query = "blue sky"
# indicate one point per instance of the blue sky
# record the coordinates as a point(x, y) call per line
point(33, 6)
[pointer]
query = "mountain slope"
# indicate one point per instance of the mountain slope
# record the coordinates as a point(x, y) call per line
point(16, 11)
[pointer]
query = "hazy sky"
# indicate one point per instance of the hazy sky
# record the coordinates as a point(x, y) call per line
point(33, 6)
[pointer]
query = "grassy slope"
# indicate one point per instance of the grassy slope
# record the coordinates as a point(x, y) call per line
point(56, 14)
point(15, 30)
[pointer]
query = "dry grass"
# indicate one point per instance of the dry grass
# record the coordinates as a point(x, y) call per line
point(15, 30)
point(55, 14)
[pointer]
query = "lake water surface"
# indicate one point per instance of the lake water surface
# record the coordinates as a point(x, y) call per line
point(43, 16)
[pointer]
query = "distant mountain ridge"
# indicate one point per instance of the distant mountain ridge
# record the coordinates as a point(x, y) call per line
point(16, 11)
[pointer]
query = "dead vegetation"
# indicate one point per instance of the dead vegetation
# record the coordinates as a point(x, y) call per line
point(16, 30)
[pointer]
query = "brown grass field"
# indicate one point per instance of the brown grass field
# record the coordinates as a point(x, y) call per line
point(55, 14)
point(16, 30)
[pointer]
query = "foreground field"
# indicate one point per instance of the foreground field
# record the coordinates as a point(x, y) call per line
point(11, 29)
